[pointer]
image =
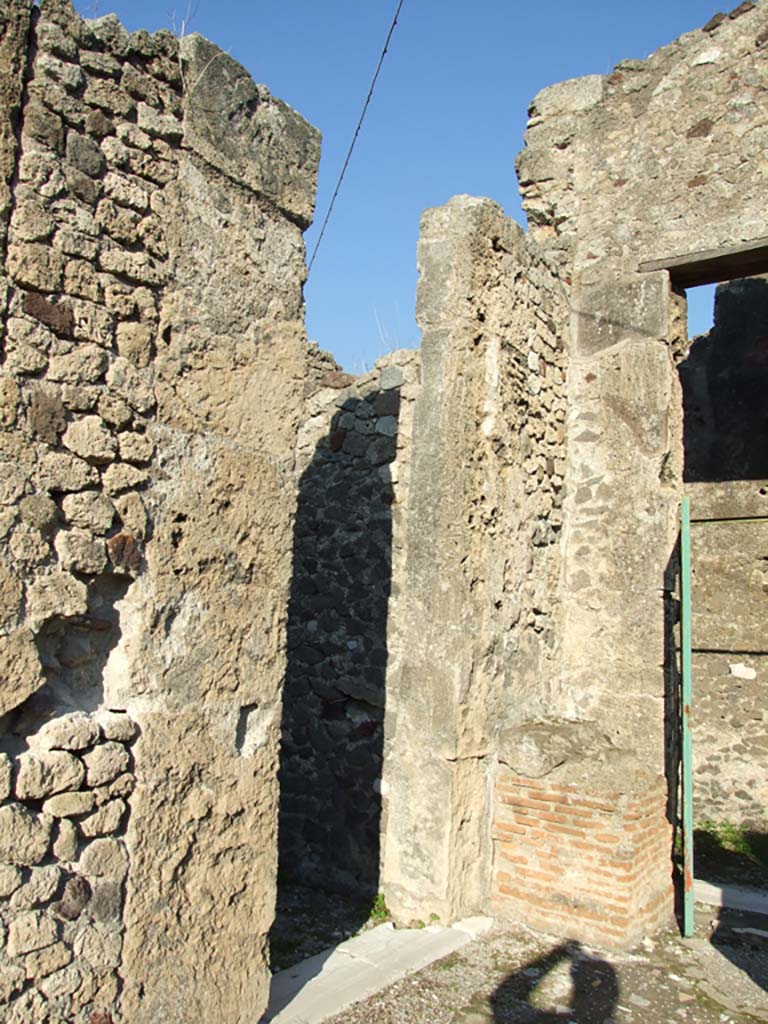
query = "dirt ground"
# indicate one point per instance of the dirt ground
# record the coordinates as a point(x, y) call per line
point(515, 976)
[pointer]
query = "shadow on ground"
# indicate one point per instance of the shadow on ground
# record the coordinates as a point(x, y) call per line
point(567, 984)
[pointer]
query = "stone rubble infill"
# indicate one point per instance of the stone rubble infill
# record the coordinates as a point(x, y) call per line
point(63, 864)
point(325, 984)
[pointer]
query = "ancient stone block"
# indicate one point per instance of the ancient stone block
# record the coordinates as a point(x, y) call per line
point(9, 401)
point(45, 415)
point(136, 447)
point(56, 316)
point(106, 820)
point(36, 266)
point(85, 364)
point(89, 438)
point(104, 858)
point(154, 123)
point(75, 898)
point(78, 551)
point(73, 731)
point(58, 593)
point(41, 774)
point(61, 983)
point(83, 187)
point(123, 477)
point(10, 880)
point(39, 512)
point(99, 945)
point(105, 762)
point(70, 805)
point(89, 510)
point(93, 323)
point(61, 471)
point(115, 411)
point(116, 726)
point(29, 545)
point(42, 125)
point(84, 154)
point(12, 979)
point(43, 962)
point(24, 836)
point(20, 669)
point(10, 596)
point(65, 843)
point(127, 382)
point(40, 888)
point(108, 97)
point(97, 123)
point(135, 342)
point(133, 514)
point(32, 223)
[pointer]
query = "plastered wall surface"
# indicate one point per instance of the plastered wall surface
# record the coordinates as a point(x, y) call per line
point(474, 622)
point(650, 161)
point(151, 388)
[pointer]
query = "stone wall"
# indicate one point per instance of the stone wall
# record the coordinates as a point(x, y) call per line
point(474, 629)
point(63, 865)
point(151, 388)
point(648, 164)
point(353, 453)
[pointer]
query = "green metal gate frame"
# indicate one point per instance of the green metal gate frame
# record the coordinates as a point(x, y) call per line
point(686, 651)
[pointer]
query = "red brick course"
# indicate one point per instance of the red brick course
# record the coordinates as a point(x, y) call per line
point(591, 866)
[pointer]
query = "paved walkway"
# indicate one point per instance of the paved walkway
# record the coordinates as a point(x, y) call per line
point(327, 983)
point(439, 975)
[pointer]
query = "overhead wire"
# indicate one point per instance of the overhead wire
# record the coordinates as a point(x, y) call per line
point(354, 137)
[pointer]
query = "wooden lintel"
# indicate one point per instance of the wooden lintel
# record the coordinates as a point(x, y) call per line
point(725, 264)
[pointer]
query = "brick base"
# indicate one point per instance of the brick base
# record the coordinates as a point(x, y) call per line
point(595, 867)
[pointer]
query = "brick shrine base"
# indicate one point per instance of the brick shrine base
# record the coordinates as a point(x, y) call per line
point(594, 866)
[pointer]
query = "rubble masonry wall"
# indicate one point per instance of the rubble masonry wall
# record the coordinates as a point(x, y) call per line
point(151, 387)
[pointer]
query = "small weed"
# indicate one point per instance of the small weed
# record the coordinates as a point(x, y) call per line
point(728, 851)
point(418, 924)
point(434, 919)
point(379, 910)
point(448, 962)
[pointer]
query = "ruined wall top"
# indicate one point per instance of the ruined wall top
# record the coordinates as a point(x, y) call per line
point(657, 158)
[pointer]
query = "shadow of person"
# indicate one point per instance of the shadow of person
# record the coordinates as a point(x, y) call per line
point(541, 993)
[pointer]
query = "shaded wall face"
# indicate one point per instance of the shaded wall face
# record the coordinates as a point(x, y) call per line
point(335, 691)
point(724, 379)
point(147, 446)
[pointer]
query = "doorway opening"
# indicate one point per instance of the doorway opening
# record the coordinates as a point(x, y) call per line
point(724, 382)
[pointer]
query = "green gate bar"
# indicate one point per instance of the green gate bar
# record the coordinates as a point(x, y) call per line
point(687, 752)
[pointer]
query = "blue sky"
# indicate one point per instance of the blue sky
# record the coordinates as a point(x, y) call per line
point(448, 116)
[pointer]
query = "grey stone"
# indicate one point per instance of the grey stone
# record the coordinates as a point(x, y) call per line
point(387, 425)
point(70, 804)
point(390, 377)
point(40, 888)
point(84, 154)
